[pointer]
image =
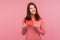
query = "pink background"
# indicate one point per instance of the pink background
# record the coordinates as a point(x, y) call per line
point(12, 13)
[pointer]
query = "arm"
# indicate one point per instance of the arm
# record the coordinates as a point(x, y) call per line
point(23, 31)
point(23, 28)
point(42, 27)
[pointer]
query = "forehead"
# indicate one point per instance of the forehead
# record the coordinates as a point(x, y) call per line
point(31, 6)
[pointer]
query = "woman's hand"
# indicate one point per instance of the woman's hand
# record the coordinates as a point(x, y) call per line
point(24, 30)
point(24, 25)
point(36, 24)
point(36, 28)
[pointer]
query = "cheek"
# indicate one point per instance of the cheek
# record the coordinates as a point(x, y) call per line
point(34, 10)
point(31, 10)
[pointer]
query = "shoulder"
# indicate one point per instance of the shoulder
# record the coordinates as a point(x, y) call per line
point(23, 20)
point(41, 20)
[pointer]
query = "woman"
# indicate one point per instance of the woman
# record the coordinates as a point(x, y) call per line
point(33, 24)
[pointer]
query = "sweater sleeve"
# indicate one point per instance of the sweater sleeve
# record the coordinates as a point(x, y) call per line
point(24, 29)
point(42, 27)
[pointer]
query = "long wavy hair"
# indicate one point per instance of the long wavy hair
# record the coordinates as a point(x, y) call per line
point(28, 16)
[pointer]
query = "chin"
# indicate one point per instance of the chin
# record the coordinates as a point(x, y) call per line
point(33, 13)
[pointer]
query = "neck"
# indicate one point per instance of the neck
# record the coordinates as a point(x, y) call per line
point(33, 17)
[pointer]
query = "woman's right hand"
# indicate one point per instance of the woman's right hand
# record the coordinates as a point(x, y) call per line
point(24, 30)
point(24, 25)
point(35, 24)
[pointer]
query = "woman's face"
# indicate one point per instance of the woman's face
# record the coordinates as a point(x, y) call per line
point(32, 9)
